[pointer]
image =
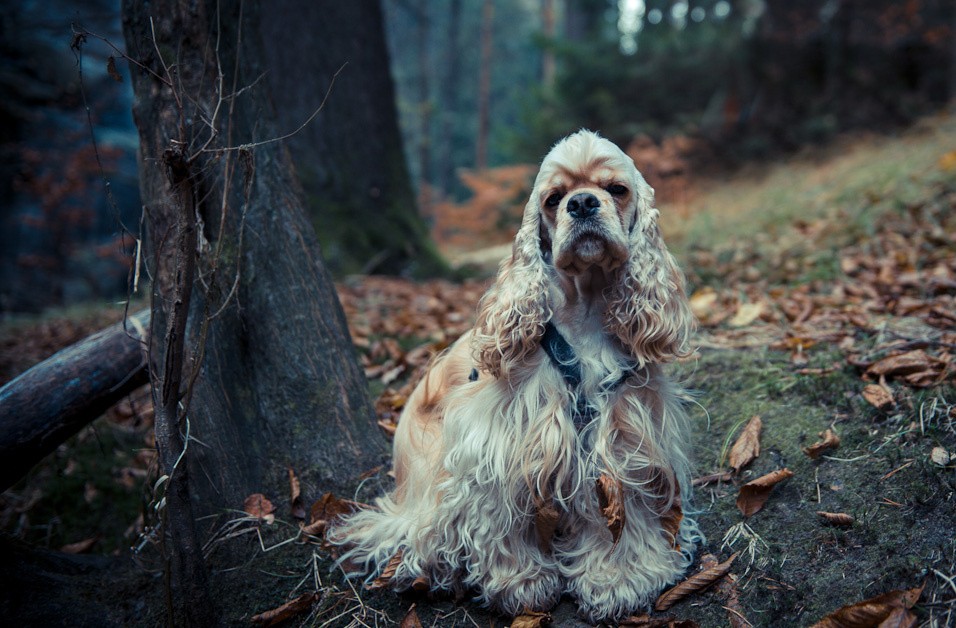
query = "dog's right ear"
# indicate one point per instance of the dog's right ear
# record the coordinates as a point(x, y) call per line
point(512, 314)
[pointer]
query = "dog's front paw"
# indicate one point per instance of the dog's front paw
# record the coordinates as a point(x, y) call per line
point(606, 600)
point(516, 593)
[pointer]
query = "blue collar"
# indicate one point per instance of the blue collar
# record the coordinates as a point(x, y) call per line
point(564, 359)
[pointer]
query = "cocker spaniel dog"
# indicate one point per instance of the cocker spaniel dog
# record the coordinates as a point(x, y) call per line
point(546, 452)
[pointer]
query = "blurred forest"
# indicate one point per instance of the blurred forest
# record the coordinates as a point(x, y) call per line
point(481, 88)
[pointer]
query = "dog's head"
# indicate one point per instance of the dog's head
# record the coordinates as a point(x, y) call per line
point(588, 195)
point(590, 209)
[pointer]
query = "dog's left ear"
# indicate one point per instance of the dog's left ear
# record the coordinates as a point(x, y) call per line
point(648, 309)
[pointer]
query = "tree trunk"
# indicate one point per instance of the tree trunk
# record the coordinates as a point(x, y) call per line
point(548, 66)
point(47, 404)
point(450, 89)
point(425, 110)
point(484, 86)
point(350, 156)
point(268, 378)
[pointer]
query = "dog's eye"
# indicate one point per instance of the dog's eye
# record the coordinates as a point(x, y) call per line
point(616, 189)
point(553, 200)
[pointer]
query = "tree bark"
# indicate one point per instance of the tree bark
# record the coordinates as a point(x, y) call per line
point(450, 100)
point(484, 86)
point(51, 402)
point(425, 109)
point(350, 157)
point(548, 65)
point(268, 377)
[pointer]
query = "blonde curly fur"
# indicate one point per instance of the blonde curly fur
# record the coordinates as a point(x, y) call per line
point(495, 476)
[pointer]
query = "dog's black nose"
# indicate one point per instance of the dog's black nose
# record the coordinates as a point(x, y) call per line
point(583, 205)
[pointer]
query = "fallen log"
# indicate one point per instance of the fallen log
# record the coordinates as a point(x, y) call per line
point(47, 404)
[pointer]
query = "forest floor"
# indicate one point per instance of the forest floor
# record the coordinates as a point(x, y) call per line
point(826, 289)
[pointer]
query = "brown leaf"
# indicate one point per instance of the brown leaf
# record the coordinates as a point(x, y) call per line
point(829, 440)
point(411, 619)
point(546, 522)
point(387, 574)
point(747, 446)
point(878, 397)
point(420, 584)
point(256, 505)
point(288, 610)
point(837, 518)
point(111, 70)
point(295, 490)
point(875, 611)
point(329, 507)
point(754, 494)
point(697, 582)
point(899, 618)
point(940, 456)
point(735, 610)
point(80, 547)
point(902, 364)
point(610, 499)
point(325, 509)
point(531, 619)
point(670, 520)
point(746, 314)
point(646, 621)
point(702, 301)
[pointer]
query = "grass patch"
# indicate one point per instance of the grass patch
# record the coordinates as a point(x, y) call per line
point(844, 181)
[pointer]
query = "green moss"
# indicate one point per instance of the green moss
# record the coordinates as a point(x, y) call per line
point(808, 569)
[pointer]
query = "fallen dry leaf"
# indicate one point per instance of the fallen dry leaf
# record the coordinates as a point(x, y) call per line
point(747, 446)
point(256, 505)
point(836, 518)
point(878, 397)
point(940, 456)
point(421, 584)
point(546, 522)
point(746, 314)
point(531, 619)
point(411, 619)
point(874, 611)
point(80, 547)
point(670, 520)
point(387, 574)
point(899, 618)
point(288, 610)
point(702, 301)
point(902, 364)
point(947, 161)
point(735, 610)
point(754, 494)
point(327, 508)
point(610, 499)
point(646, 621)
point(697, 582)
point(295, 490)
point(828, 440)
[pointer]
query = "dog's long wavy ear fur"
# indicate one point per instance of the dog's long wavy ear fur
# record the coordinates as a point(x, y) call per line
point(648, 309)
point(511, 316)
